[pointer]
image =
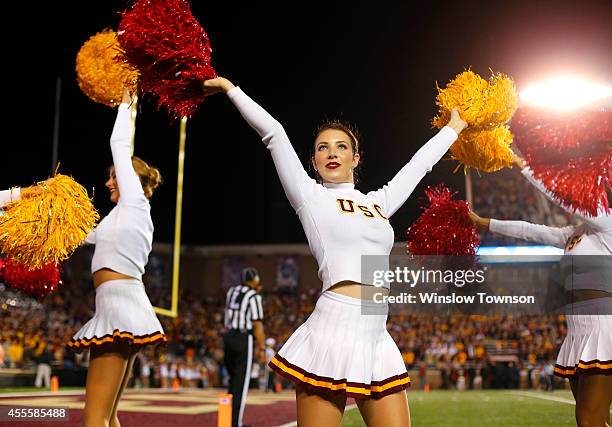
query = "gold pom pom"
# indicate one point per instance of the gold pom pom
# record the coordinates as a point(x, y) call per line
point(50, 221)
point(502, 99)
point(482, 104)
point(487, 106)
point(101, 75)
point(466, 92)
point(488, 150)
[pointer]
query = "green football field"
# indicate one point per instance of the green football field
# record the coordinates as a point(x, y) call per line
point(485, 409)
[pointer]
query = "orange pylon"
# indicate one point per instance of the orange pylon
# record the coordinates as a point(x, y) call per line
point(224, 411)
point(54, 383)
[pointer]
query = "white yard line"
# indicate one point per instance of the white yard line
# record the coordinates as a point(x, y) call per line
point(294, 423)
point(544, 397)
point(547, 397)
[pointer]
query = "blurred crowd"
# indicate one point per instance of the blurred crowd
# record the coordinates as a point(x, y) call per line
point(473, 351)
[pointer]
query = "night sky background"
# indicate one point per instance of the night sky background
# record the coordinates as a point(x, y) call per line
point(372, 63)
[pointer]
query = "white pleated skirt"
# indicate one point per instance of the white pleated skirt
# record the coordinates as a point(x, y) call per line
point(123, 314)
point(339, 349)
point(587, 348)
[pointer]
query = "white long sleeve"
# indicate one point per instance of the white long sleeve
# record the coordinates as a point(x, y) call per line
point(601, 222)
point(395, 193)
point(555, 236)
point(297, 184)
point(124, 237)
point(8, 196)
point(130, 187)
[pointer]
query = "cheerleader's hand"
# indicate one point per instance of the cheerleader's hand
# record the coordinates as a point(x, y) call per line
point(34, 190)
point(518, 161)
point(479, 222)
point(127, 97)
point(216, 85)
point(456, 122)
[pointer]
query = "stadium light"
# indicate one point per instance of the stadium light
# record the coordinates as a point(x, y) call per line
point(565, 93)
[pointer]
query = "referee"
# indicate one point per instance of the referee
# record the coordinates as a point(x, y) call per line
point(243, 319)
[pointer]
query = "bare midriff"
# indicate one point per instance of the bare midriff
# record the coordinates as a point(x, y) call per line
point(106, 274)
point(354, 289)
point(587, 294)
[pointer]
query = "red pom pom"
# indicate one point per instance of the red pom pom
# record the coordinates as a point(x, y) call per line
point(444, 228)
point(38, 282)
point(578, 184)
point(570, 152)
point(170, 49)
point(553, 136)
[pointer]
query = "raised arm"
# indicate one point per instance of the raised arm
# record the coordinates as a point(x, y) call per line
point(296, 182)
point(393, 195)
point(601, 222)
point(130, 188)
point(523, 230)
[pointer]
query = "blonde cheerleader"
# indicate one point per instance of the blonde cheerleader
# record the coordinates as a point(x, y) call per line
point(124, 319)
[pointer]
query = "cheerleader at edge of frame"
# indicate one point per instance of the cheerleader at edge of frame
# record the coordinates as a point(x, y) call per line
point(585, 357)
point(338, 351)
point(124, 318)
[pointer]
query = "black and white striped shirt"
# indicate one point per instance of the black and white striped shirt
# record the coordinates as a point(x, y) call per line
point(243, 305)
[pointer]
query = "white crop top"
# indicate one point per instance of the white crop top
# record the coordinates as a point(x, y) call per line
point(340, 222)
point(592, 237)
point(124, 237)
